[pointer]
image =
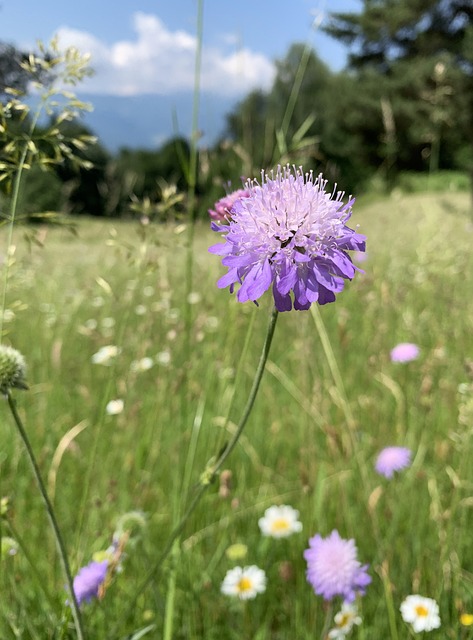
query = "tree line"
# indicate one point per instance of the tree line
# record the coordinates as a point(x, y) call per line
point(404, 103)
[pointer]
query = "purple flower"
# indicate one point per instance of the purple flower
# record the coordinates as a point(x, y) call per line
point(405, 352)
point(333, 568)
point(225, 204)
point(392, 459)
point(291, 234)
point(88, 580)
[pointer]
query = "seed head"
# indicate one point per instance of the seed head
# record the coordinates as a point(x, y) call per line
point(12, 370)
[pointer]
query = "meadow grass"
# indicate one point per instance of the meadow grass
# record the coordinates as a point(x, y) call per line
point(311, 441)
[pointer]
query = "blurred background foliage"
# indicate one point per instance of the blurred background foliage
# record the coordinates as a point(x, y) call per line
point(403, 106)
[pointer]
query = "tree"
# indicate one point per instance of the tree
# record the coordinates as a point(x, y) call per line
point(12, 74)
point(405, 41)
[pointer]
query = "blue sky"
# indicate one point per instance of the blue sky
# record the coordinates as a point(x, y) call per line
point(143, 55)
point(147, 46)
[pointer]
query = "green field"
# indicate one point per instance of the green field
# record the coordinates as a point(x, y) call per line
point(324, 411)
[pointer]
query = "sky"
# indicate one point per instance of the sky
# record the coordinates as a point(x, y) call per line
point(148, 46)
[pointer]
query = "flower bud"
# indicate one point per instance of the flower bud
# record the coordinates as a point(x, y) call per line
point(12, 369)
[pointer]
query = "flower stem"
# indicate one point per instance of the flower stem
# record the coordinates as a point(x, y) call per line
point(209, 474)
point(52, 518)
point(327, 622)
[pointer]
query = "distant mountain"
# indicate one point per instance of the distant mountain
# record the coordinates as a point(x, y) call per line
point(146, 121)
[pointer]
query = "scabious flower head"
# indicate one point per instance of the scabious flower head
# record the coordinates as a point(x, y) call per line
point(422, 613)
point(392, 459)
point(405, 352)
point(291, 234)
point(223, 207)
point(87, 582)
point(280, 522)
point(345, 620)
point(244, 582)
point(333, 568)
point(12, 369)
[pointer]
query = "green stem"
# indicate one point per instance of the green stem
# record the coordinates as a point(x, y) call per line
point(52, 518)
point(209, 474)
point(327, 622)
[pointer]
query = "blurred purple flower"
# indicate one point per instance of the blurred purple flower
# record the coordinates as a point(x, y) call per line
point(291, 234)
point(360, 256)
point(392, 459)
point(87, 582)
point(222, 211)
point(333, 568)
point(405, 352)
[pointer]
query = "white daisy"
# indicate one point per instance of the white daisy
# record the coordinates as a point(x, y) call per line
point(280, 522)
point(422, 613)
point(345, 620)
point(244, 583)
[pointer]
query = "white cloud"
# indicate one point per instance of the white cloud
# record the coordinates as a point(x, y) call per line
point(162, 61)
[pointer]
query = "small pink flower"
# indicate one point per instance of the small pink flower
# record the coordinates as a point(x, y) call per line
point(405, 352)
point(223, 207)
point(392, 459)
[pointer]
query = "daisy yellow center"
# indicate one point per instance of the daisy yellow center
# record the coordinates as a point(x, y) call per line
point(344, 620)
point(421, 611)
point(244, 584)
point(281, 524)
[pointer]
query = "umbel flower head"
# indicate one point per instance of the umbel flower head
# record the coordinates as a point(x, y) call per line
point(12, 369)
point(291, 234)
point(333, 568)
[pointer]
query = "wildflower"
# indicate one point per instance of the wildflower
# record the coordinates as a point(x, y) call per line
point(194, 297)
point(88, 581)
point(291, 234)
point(141, 365)
point(344, 620)
point(106, 354)
point(333, 568)
point(392, 459)
point(466, 619)
point(12, 369)
point(244, 583)
point(280, 522)
point(236, 551)
point(405, 352)
point(163, 358)
point(223, 207)
point(114, 407)
point(422, 613)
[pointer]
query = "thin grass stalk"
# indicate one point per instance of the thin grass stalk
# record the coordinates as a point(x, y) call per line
point(191, 212)
point(52, 517)
point(191, 209)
